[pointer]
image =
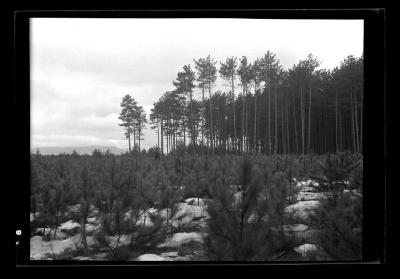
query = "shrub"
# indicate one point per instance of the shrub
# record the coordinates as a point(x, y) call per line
point(339, 217)
point(238, 230)
point(340, 222)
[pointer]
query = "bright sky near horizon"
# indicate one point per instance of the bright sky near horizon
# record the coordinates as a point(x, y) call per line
point(81, 68)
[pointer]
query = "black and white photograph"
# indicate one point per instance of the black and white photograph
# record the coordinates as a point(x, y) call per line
point(196, 139)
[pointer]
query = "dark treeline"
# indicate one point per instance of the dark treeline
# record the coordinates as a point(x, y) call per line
point(266, 109)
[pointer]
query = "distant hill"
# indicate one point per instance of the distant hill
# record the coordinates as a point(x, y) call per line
point(79, 149)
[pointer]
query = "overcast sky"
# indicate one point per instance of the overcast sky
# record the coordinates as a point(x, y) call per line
point(81, 68)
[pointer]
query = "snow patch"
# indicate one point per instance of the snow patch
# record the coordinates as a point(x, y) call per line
point(70, 227)
point(295, 228)
point(76, 209)
point(254, 217)
point(354, 192)
point(307, 183)
point(82, 258)
point(124, 240)
point(302, 209)
point(32, 217)
point(143, 217)
point(42, 231)
point(237, 198)
point(91, 228)
point(93, 220)
point(50, 232)
point(150, 257)
point(305, 249)
point(39, 249)
point(308, 196)
point(195, 201)
point(170, 254)
point(181, 238)
point(100, 256)
point(186, 213)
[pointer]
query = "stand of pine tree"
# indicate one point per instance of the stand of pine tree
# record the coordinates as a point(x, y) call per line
point(321, 108)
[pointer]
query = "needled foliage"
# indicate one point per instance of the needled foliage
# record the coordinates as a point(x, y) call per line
point(340, 215)
point(243, 217)
point(133, 201)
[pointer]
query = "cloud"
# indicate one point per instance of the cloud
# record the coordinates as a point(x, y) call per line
point(81, 68)
point(126, 69)
point(64, 140)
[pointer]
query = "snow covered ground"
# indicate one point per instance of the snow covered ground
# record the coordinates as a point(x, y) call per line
point(302, 209)
point(69, 237)
point(40, 250)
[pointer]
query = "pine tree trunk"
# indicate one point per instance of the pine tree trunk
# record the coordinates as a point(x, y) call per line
point(361, 125)
point(352, 121)
point(184, 134)
point(175, 134)
point(356, 122)
point(295, 124)
point(217, 132)
point(283, 131)
point(255, 120)
point(167, 218)
point(266, 121)
point(57, 219)
point(162, 137)
point(134, 138)
point(202, 120)
point(129, 141)
point(243, 102)
point(225, 132)
point(247, 123)
point(139, 132)
point(336, 123)
point(191, 117)
point(276, 125)
point(302, 117)
point(340, 129)
point(211, 121)
point(158, 136)
point(309, 119)
point(287, 126)
point(269, 119)
point(234, 116)
point(85, 245)
point(172, 142)
point(167, 138)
